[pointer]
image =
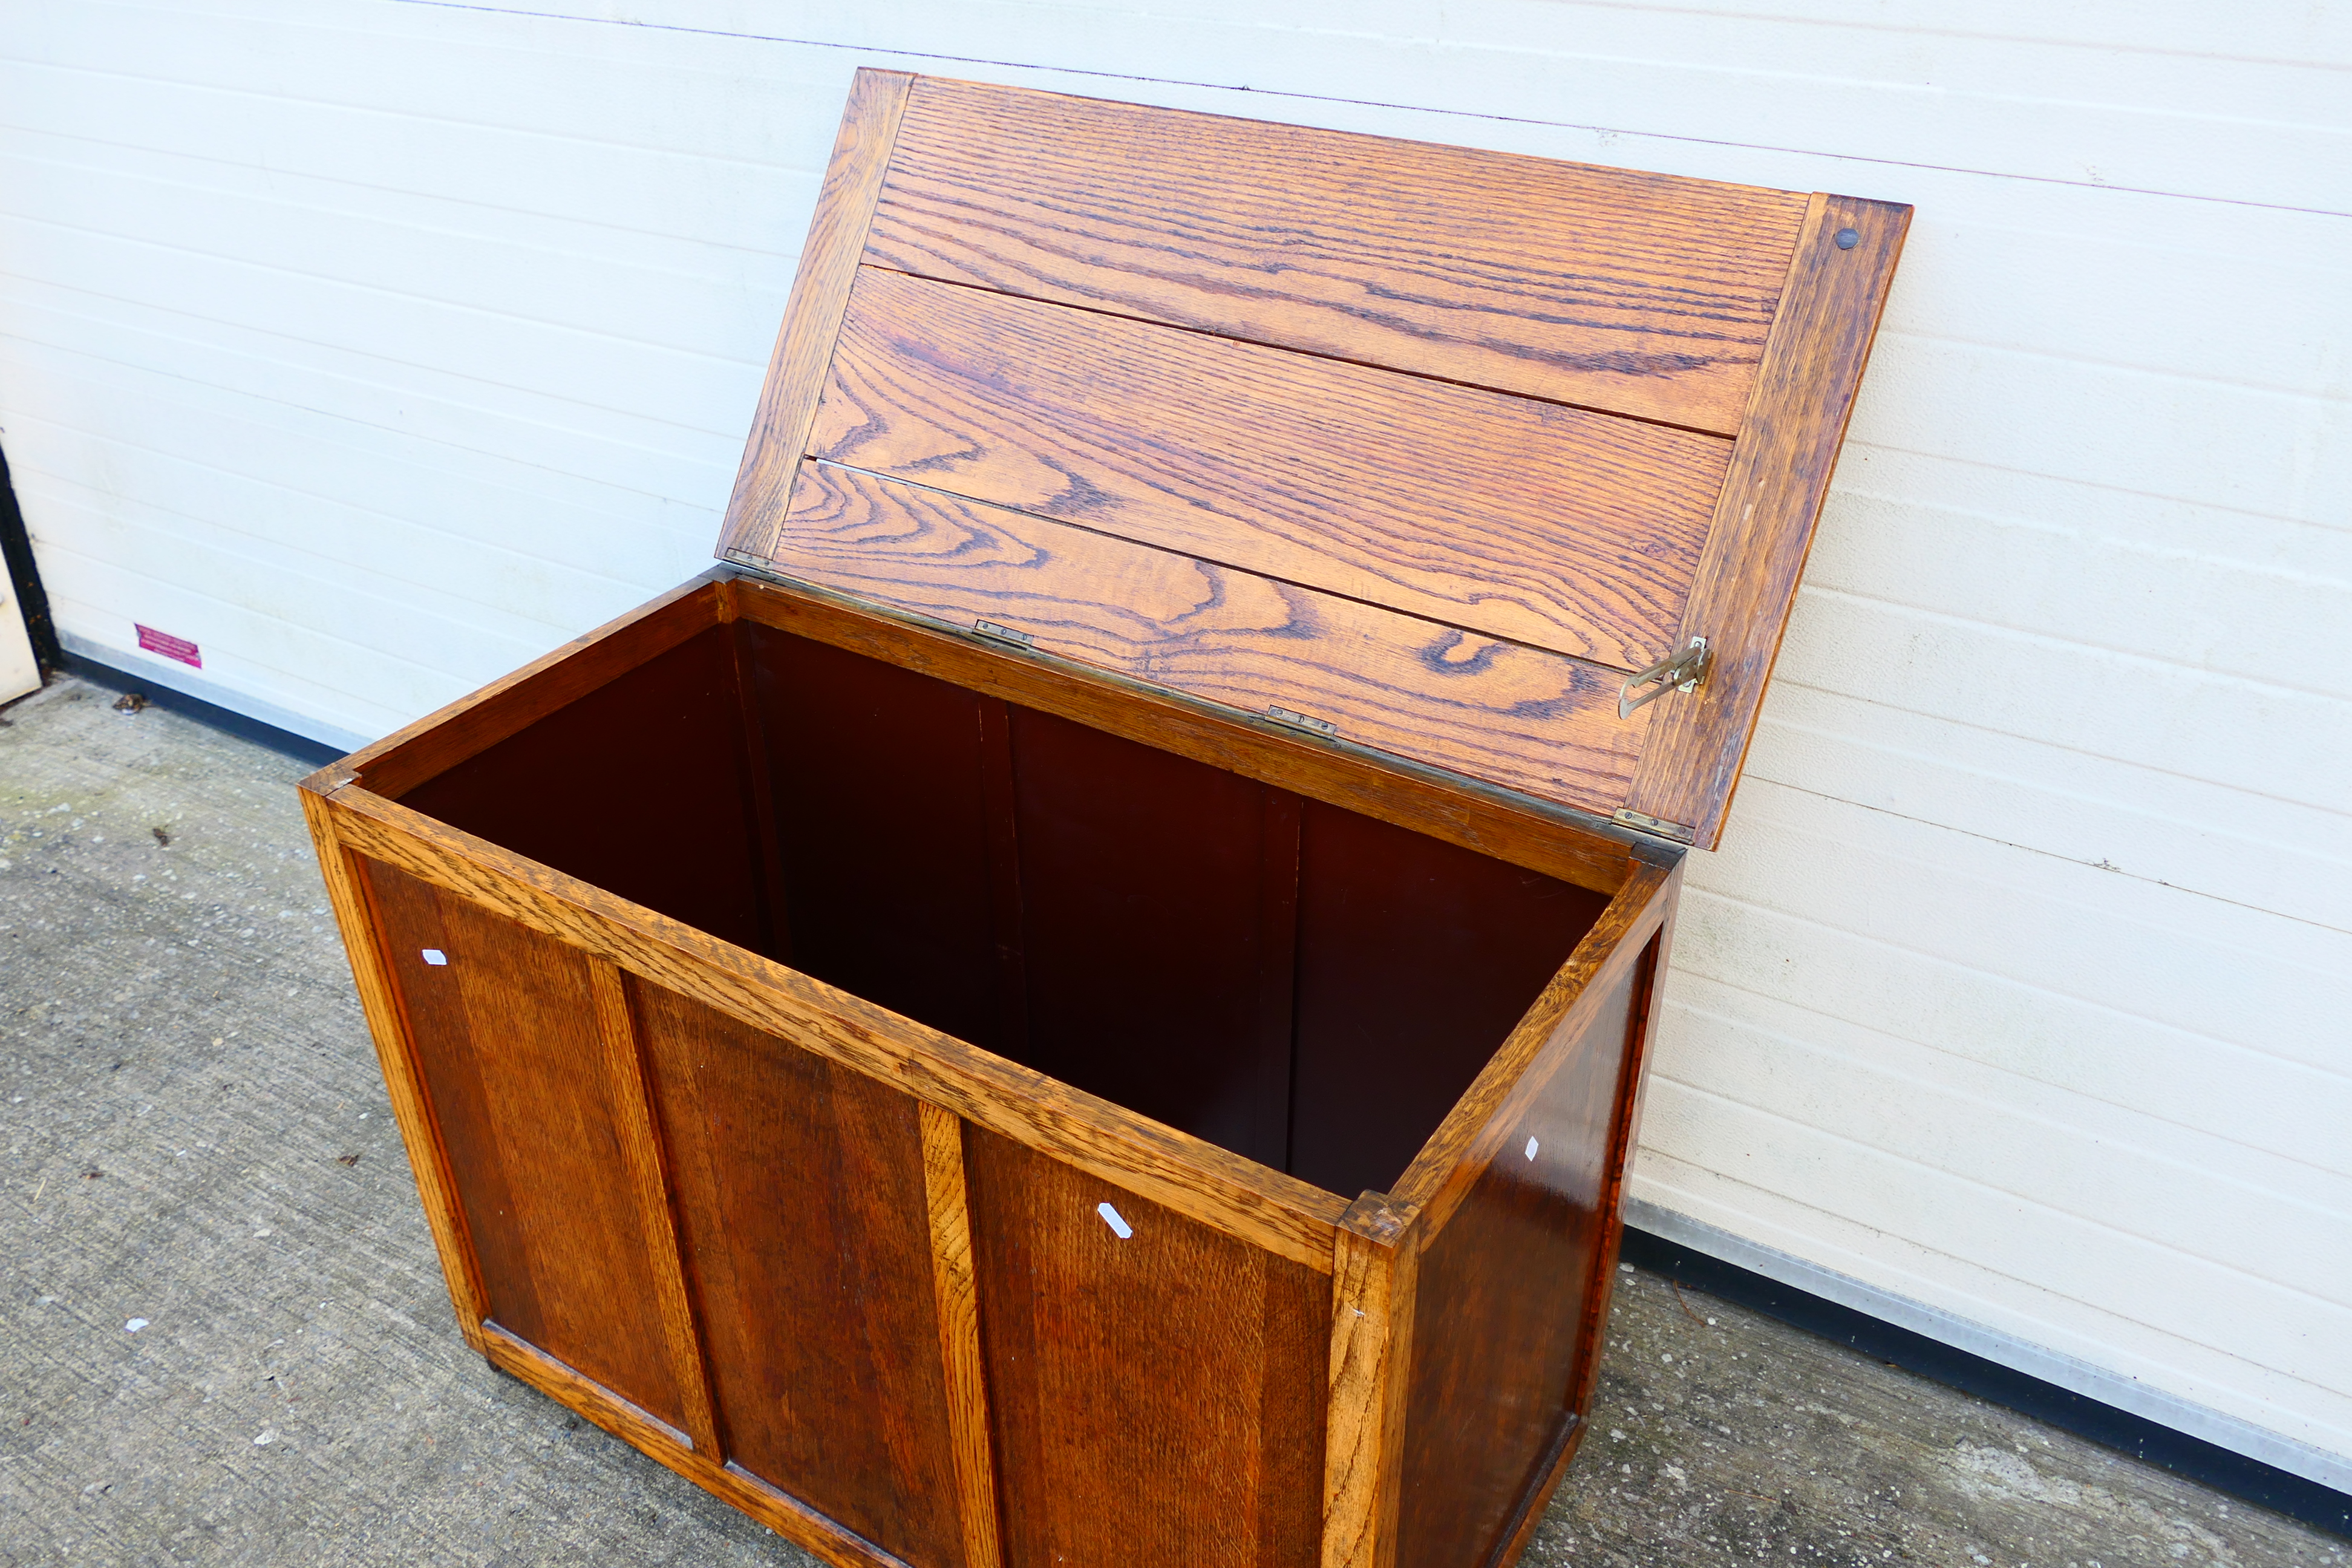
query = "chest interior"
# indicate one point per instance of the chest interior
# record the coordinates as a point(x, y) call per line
point(1297, 982)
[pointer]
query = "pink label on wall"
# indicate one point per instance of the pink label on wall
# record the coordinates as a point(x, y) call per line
point(169, 646)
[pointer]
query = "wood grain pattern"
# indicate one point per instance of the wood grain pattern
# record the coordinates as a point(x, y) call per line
point(641, 1157)
point(1642, 294)
point(1575, 848)
point(395, 1055)
point(801, 1190)
point(547, 685)
point(787, 1516)
point(1141, 930)
point(1477, 1127)
point(1157, 1397)
point(891, 894)
point(1221, 1189)
point(1374, 1273)
point(1561, 529)
point(1416, 959)
point(637, 786)
point(960, 1345)
point(758, 790)
point(1500, 1338)
point(511, 1061)
point(1763, 525)
point(1511, 716)
point(844, 205)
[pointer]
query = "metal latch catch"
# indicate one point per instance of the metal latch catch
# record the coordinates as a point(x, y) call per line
point(1683, 671)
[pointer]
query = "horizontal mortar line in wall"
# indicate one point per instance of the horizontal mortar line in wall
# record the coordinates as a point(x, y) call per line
point(2103, 539)
point(2026, 1200)
point(524, 496)
point(2152, 372)
point(389, 388)
point(395, 612)
point(2025, 1327)
point(244, 415)
point(245, 397)
point(1375, 103)
point(1855, 1065)
point(2052, 642)
point(378, 656)
point(2330, 1172)
point(302, 553)
point(2099, 486)
point(2105, 866)
point(1851, 24)
point(382, 291)
point(2137, 763)
point(2149, 1020)
point(2332, 1176)
point(1856, 23)
point(340, 106)
point(354, 213)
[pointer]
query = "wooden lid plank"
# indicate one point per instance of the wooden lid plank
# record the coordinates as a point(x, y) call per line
point(1519, 716)
point(1642, 294)
point(1566, 530)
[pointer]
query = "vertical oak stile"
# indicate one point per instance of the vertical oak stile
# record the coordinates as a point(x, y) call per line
point(633, 1109)
point(1374, 1259)
point(1626, 1135)
point(1006, 930)
point(775, 912)
point(395, 1056)
point(960, 1347)
point(829, 261)
point(1755, 546)
point(1277, 975)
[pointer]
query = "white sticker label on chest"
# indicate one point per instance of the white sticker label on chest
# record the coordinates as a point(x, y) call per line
point(1532, 1148)
point(1119, 1226)
point(435, 957)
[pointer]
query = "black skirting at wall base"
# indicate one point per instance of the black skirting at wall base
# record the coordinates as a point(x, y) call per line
point(301, 748)
point(2152, 1442)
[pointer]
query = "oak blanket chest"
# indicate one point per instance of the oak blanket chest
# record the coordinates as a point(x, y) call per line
point(1081, 999)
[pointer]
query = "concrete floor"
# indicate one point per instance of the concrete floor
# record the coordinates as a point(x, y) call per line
point(224, 1338)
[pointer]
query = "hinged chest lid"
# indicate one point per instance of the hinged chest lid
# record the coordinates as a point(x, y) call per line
point(1437, 451)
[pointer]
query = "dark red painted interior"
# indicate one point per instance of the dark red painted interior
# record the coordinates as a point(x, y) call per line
point(1298, 983)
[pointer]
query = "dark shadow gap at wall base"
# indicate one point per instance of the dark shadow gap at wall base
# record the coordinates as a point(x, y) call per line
point(2322, 1508)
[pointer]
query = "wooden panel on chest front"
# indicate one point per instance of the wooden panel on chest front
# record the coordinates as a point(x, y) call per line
point(503, 1021)
point(800, 1196)
point(1158, 1397)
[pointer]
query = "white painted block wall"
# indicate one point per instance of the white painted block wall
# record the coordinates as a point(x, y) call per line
point(378, 345)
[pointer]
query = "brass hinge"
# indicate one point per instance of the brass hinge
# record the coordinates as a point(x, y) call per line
point(1313, 726)
point(996, 633)
point(1625, 815)
point(1683, 671)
